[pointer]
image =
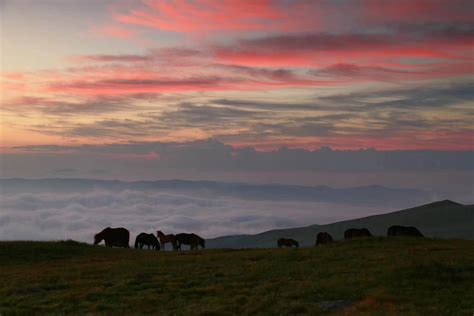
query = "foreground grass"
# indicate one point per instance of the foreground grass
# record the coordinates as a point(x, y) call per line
point(374, 276)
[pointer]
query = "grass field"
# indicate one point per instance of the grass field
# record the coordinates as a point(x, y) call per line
point(371, 276)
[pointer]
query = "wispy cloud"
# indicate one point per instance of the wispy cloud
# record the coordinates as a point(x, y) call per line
point(348, 74)
point(204, 16)
point(385, 118)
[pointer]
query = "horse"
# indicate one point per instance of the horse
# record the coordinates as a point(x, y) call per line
point(113, 237)
point(192, 240)
point(404, 231)
point(287, 242)
point(164, 239)
point(323, 238)
point(356, 232)
point(147, 239)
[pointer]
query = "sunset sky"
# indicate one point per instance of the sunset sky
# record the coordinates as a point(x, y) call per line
point(371, 96)
point(263, 75)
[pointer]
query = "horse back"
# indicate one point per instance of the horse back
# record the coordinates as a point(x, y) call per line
point(117, 237)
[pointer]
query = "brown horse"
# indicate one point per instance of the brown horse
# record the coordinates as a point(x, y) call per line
point(113, 237)
point(323, 238)
point(164, 239)
point(404, 231)
point(356, 232)
point(287, 242)
point(192, 240)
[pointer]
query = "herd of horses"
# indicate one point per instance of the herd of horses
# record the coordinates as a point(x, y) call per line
point(325, 238)
point(119, 237)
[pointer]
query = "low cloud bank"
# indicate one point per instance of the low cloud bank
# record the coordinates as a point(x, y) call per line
point(52, 216)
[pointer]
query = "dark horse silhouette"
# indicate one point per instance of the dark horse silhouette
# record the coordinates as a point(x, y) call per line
point(287, 242)
point(113, 237)
point(147, 239)
point(192, 240)
point(404, 231)
point(323, 238)
point(164, 239)
point(356, 232)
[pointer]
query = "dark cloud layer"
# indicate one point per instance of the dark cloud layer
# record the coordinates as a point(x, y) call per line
point(213, 154)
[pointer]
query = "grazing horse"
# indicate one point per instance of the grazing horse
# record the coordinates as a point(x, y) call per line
point(192, 240)
point(113, 237)
point(164, 239)
point(287, 242)
point(323, 238)
point(355, 232)
point(147, 239)
point(404, 231)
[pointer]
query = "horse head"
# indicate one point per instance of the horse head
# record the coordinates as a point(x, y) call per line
point(98, 238)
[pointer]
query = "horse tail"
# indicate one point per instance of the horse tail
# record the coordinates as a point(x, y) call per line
point(136, 243)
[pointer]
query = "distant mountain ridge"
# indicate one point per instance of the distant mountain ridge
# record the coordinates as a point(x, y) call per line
point(443, 219)
point(363, 195)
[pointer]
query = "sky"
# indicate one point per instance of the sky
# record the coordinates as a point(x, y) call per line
point(334, 92)
point(238, 90)
point(389, 75)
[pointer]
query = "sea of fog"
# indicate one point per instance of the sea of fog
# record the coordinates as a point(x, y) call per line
point(42, 211)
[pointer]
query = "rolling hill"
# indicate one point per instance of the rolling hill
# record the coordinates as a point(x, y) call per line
point(442, 219)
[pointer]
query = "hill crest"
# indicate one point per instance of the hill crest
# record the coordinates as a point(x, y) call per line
point(442, 219)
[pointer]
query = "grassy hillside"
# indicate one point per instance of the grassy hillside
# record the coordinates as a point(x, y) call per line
point(443, 219)
point(401, 276)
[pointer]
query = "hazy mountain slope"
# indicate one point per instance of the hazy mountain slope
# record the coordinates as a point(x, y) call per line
point(445, 219)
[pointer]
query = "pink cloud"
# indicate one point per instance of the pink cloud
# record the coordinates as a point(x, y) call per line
point(200, 16)
point(209, 15)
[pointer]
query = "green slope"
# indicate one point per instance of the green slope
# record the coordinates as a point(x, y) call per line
point(380, 276)
point(443, 219)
